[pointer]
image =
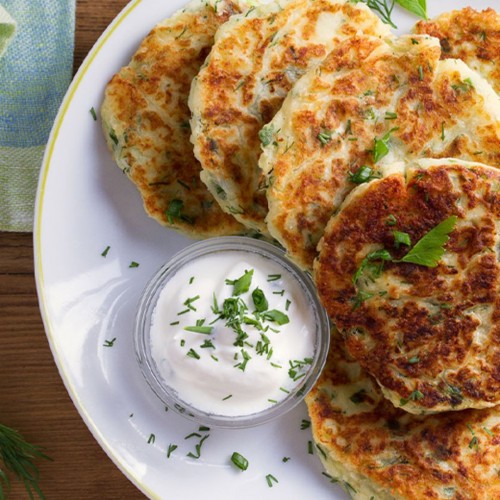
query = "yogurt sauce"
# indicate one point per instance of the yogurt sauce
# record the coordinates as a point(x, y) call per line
point(226, 348)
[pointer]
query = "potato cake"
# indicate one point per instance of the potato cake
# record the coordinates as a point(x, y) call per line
point(376, 451)
point(145, 117)
point(469, 35)
point(256, 59)
point(370, 102)
point(409, 272)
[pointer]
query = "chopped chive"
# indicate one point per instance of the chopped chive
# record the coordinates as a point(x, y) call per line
point(310, 449)
point(305, 424)
point(420, 73)
point(286, 391)
point(414, 396)
point(151, 439)
point(174, 323)
point(206, 330)
point(273, 277)
point(227, 397)
point(106, 251)
point(390, 116)
point(109, 343)
point(270, 478)
point(171, 448)
point(189, 302)
point(363, 174)
point(93, 113)
point(191, 280)
point(325, 136)
point(134, 264)
point(207, 344)
point(273, 401)
point(474, 443)
point(193, 354)
point(391, 220)
point(239, 460)
point(285, 459)
point(198, 448)
point(193, 434)
point(413, 360)
point(259, 300)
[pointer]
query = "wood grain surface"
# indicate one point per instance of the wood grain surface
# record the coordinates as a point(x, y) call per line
point(33, 399)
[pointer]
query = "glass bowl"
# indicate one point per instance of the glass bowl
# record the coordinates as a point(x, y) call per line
point(152, 364)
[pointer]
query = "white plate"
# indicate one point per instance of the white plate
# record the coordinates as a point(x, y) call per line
point(84, 205)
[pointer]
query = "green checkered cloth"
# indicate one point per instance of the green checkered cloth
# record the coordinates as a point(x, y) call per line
point(35, 71)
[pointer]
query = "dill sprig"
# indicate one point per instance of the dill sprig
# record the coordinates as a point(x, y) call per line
point(18, 457)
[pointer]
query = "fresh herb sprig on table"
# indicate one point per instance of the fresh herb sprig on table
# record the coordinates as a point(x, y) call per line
point(384, 8)
point(18, 458)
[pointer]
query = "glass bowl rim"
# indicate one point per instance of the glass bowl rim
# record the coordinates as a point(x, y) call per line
point(147, 304)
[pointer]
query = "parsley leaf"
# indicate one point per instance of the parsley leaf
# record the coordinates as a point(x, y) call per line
point(430, 248)
point(381, 147)
point(417, 7)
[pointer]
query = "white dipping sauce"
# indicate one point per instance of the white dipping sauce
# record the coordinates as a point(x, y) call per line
point(206, 369)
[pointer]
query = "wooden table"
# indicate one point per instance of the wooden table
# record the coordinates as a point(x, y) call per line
point(33, 399)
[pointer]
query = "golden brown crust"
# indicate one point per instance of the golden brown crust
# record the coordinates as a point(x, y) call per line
point(146, 121)
point(470, 35)
point(368, 89)
point(429, 335)
point(385, 453)
point(254, 63)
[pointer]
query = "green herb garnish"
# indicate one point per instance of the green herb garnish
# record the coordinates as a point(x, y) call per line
point(430, 248)
point(270, 478)
point(18, 458)
point(381, 147)
point(266, 135)
point(239, 460)
point(363, 174)
point(174, 211)
point(193, 354)
point(259, 300)
point(276, 316)
point(242, 284)
point(414, 396)
point(171, 448)
point(464, 86)
point(206, 330)
point(325, 136)
point(109, 343)
point(401, 238)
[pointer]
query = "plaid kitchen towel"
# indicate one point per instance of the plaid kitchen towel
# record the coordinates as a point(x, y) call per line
point(35, 71)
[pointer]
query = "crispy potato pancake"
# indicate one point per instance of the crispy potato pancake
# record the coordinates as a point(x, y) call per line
point(376, 451)
point(256, 59)
point(469, 35)
point(370, 102)
point(429, 335)
point(145, 117)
